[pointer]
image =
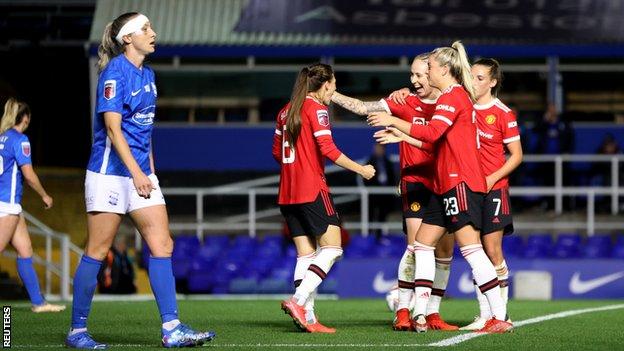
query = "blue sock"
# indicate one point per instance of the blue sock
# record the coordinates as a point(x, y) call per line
point(85, 282)
point(27, 273)
point(163, 285)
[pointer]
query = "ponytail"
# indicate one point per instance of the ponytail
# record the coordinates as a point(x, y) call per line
point(464, 69)
point(14, 112)
point(456, 59)
point(293, 118)
point(309, 79)
point(110, 47)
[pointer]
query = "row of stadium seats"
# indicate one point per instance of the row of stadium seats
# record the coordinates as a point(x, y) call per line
point(242, 264)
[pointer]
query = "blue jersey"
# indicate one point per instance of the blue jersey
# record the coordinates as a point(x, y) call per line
point(131, 92)
point(14, 153)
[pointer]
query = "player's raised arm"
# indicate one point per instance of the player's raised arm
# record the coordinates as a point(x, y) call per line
point(357, 106)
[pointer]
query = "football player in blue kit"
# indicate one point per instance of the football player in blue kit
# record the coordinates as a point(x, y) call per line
point(15, 162)
point(120, 180)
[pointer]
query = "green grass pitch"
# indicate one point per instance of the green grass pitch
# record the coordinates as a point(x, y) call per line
point(361, 324)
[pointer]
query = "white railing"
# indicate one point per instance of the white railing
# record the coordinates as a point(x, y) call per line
point(58, 268)
point(249, 221)
point(252, 226)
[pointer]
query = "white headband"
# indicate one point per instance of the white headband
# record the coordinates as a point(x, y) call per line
point(135, 25)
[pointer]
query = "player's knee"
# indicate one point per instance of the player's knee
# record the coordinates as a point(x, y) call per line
point(162, 247)
point(24, 252)
point(495, 254)
point(332, 253)
point(443, 252)
point(97, 253)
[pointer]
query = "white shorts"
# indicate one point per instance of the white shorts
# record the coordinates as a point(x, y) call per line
point(9, 209)
point(116, 194)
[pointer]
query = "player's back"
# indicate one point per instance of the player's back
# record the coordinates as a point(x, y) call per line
point(302, 173)
point(458, 158)
point(14, 152)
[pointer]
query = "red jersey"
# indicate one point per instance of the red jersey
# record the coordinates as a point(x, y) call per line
point(416, 163)
point(457, 151)
point(302, 174)
point(497, 127)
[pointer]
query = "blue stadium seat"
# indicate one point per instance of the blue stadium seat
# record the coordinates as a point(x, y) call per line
point(273, 239)
point(598, 246)
point(210, 252)
point(243, 286)
point(181, 267)
point(388, 247)
point(618, 252)
point(512, 245)
point(618, 249)
point(291, 251)
point(244, 241)
point(328, 286)
point(274, 286)
point(200, 281)
point(360, 246)
point(186, 240)
point(538, 246)
point(567, 246)
point(219, 241)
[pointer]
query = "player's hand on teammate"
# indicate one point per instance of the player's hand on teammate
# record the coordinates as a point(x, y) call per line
point(390, 135)
point(47, 201)
point(379, 119)
point(398, 96)
point(143, 185)
point(367, 172)
point(490, 181)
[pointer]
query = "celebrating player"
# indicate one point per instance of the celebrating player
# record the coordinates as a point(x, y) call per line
point(459, 183)
point(14, 162)
point(416, 185)
point(302, 141)
point(120, 179)
point(498, 129)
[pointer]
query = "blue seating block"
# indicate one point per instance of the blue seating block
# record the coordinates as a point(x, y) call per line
point(243, 286)
point(567, 246)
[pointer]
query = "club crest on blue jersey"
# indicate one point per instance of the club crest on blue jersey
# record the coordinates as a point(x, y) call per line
point(26, 149)
point(110, 89)
point(323, 117)
point(145, 116)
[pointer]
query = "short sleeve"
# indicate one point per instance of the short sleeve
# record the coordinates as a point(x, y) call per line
point(110, 91)
point(396, 109)
point(319, 121)
point(510, 129)
point(22, 151)
point(446, 109)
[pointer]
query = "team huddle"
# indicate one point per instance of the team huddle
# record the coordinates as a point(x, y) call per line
point(453, 133)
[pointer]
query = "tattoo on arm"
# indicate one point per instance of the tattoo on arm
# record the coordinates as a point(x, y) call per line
point(357, 106)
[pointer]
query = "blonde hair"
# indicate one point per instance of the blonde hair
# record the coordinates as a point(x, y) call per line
point(456, 59)
point(14, 112)
point(110, 47)
point(422, 57)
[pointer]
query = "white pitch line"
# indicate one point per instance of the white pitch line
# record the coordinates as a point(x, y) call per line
point(446, 342)
point(465, 337)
